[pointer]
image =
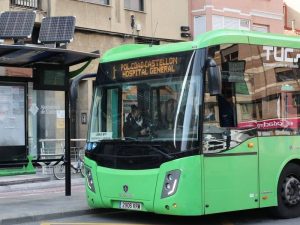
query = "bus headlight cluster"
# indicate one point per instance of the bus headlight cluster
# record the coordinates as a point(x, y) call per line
point(170, 183)
point(89, 146)
point(89, 179)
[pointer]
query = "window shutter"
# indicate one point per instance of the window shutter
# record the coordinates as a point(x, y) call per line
point(217, 22)
point(260, 28)
point(231, 23)
point(199, 25)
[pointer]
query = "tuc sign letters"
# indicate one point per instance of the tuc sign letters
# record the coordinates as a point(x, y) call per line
point(280, 54)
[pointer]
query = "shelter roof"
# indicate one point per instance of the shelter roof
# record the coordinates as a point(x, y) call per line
point(29, 55)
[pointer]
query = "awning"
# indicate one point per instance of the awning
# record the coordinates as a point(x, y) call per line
point(27, 56)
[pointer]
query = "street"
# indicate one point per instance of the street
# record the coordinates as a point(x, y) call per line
point(48, 205)
point(249, 217)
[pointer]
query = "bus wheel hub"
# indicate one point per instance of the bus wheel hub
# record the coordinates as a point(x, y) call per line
point(291, 191)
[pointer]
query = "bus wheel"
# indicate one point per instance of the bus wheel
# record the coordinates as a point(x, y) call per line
point(288, 192)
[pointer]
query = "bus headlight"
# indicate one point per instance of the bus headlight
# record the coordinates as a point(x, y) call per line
point(89, 146)
point(89, 179)
point(170, 183)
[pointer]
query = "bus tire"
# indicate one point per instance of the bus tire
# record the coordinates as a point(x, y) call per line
point(288, 192)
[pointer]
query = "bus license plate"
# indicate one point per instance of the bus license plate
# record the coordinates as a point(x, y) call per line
point(131, 205)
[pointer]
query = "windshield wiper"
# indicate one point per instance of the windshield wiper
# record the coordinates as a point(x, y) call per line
point(156, 149)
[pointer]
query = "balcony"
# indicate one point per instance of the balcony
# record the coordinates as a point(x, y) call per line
point(31, 4)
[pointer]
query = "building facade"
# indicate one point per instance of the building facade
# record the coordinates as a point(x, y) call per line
point(291, 10)
point(104, 24)
point(258, 15)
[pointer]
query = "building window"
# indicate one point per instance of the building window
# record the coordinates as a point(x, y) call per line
point(260, 28)
point(34, 4)
point(137, 5)
point(221, 22)
point(231, 23)
point(286, 74)
point(99, 2)
point(104, 2)
point(199, 25)
point(140, 40)
point(244, 24)
point(217, 22)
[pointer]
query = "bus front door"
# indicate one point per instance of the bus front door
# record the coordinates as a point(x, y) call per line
point(230, 174)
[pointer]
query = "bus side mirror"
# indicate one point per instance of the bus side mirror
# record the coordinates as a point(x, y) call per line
point(214, 77)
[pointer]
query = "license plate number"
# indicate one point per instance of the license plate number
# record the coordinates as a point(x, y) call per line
point(131, 205)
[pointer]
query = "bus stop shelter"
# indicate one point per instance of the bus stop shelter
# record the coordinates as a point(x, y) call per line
point(34, 103)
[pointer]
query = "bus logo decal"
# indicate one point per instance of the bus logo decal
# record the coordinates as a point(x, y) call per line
point(125, 188)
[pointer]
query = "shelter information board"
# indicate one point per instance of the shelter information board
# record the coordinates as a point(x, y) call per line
point(12, 115)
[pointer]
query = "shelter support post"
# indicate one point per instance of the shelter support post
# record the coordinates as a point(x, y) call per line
point(67, 146)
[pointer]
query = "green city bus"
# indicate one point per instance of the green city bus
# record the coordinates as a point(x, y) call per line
point(197, 127)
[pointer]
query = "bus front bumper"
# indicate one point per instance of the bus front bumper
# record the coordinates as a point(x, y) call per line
point(152, 190)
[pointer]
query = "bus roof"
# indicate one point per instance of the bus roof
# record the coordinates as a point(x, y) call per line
point(210, 38)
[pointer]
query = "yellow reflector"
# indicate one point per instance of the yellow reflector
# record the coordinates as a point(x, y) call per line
point(174, 205)
point(265, 197)
point(250, 145)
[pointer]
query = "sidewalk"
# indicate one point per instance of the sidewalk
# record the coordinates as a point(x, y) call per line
point(31, 202)
point(22, 179)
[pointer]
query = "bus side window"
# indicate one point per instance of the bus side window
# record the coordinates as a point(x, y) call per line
point(235, 108)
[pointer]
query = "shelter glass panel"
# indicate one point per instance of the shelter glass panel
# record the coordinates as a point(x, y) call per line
point(46, 116)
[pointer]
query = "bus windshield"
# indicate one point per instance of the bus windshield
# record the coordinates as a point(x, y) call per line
point(162, 108)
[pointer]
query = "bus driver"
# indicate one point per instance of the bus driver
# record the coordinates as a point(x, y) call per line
point(135, 124)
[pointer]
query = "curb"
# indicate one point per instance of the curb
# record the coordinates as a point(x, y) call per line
point(49, 216)
point(24, 181)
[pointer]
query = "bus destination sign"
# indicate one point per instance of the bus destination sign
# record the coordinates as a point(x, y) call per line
point(147, 67)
